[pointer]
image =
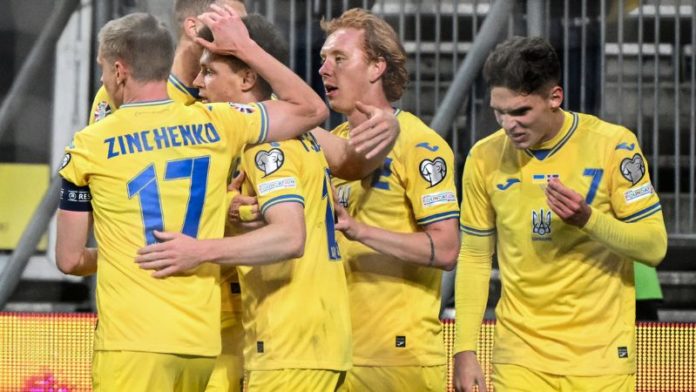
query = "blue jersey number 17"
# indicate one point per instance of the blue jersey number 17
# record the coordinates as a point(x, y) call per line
point(145, 185)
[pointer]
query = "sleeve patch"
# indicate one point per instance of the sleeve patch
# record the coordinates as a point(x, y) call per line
point(66, 160)
point(75, 198)
point(246, 109)
point(435, 199)
point(269, 161)
point(101, 110)
point(276, 185)
point(638, 193)
point(433, 171)
point(633, 169)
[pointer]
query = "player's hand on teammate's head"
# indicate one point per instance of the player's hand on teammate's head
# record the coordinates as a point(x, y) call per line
point(569, 205)
point(230, 35)
point(378, 132)
point(175, 254)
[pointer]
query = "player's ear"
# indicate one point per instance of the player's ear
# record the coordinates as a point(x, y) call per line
point(190, 27)
point(555, 97)
point(120, 71)
point(376, 69)
point(249, 79)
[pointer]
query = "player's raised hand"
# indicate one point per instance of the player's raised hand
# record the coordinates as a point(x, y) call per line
point(176, 253)
point(569, 205)
point(377, 133)
point(467, 373)
point(229, 33)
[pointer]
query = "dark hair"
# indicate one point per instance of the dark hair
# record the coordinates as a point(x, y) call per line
point(524, 65)
point(266, 35)
point(380, 41)
point(141, 41)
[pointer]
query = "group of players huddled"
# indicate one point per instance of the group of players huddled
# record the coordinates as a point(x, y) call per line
point(241, 247)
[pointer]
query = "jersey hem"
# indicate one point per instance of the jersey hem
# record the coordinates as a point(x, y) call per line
point(300, 365)
point(196, 351)
point(386, 362)
point(554, 370)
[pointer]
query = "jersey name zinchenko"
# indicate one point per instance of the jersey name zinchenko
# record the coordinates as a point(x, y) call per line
point(164, 137)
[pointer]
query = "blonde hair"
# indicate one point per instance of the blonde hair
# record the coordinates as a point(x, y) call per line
point(380, 41)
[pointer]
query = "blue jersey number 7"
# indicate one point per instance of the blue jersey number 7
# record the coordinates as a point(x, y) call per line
point(145, 185)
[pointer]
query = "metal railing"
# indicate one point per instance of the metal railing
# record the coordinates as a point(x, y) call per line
point(630, 62)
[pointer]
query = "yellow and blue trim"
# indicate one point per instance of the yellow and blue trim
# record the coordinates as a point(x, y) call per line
point(191, 91)
point(476, 232)
point(282, 199)
point(438, 217)
point(642, 214)
point(146, 103)
point(264, 123)
point(543, 154)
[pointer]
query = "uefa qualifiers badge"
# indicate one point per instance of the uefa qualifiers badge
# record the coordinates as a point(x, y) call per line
point(433, 171)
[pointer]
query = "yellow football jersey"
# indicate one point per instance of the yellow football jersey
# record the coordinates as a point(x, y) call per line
point(159, 166)
point(568, 303)
point(295, 312)
point(395, 305)
point(103, 105)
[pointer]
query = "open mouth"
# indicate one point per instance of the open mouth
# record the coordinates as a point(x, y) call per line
point(330, 89)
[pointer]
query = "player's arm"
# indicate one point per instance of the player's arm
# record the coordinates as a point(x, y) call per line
point(436, 246)
point(74, 220)
point(471, 295)
point(298, 108)
point(368, 146)
point(644, 240)
point(282, 238)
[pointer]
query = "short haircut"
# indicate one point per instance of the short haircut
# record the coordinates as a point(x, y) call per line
point(191, 8)
point(524, 65)
point(266, 35)
point(380, 41)
point(142, 42)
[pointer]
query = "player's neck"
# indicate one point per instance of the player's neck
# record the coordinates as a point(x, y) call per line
point(555, 124)
point(185, 66)
point(145, 91)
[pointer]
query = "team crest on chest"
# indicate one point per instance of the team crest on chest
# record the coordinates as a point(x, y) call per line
point(433, 171)
point(633, 169)
point(541, 225)
point(343, 195)
point(269, 161)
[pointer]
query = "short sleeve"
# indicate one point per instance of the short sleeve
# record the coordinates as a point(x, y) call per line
point(632, 194)
point(76, 162)
point(429, 163)
point(250, 120)
point(478, 216)
point(273, 169)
